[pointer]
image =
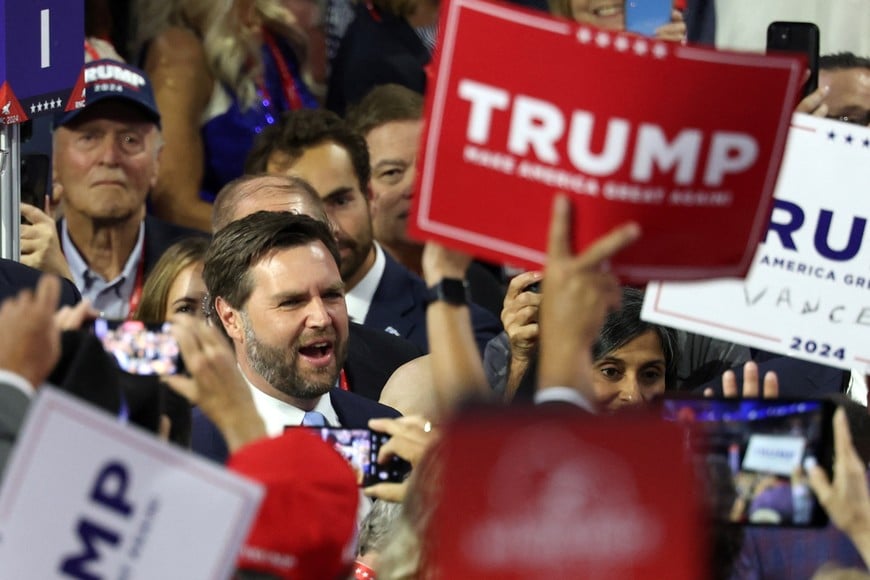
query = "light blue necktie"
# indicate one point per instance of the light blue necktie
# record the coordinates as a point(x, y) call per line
point(314, 419)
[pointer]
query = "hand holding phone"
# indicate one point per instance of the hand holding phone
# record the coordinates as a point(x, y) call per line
point(140, 348)
point(361, 449)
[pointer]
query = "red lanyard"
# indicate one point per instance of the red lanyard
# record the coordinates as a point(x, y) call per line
point(291, 93)
point(136, 296)
point(342, 381)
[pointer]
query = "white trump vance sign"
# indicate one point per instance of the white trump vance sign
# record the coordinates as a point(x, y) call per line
point(86, 497)
point(808, 292)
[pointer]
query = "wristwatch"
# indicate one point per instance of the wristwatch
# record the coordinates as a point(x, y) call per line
point(450, 290)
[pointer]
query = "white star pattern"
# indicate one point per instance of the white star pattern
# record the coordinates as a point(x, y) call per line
point(39, 107)
point(584, 35)
point(640, 47)
point(602, 39)
point(660, 50)
point(621, 43)
point(32, 109)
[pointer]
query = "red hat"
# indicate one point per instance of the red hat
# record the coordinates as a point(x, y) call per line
point(306, 526)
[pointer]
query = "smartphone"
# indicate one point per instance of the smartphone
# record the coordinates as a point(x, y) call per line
point(801, 38)
point(646, 16)
point(360, 448)
point(140, 348)
point(760, 451)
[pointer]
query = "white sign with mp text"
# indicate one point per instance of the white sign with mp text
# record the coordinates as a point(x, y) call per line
point(87, 497)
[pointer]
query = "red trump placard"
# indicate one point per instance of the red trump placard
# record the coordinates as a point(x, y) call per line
point(687, 141)
point(555, 493)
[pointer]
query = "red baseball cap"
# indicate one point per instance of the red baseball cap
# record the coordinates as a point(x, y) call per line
point(306, 526)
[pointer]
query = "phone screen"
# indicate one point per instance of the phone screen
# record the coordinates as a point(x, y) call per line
point(646, 16)
point(758, 452)
point(140, 348)
point(360, 448)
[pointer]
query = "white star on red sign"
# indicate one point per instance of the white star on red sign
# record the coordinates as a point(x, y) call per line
point(640, 47)
point(584, 35)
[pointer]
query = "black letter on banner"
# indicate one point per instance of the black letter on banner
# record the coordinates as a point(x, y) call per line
point(113, 497)
point(75, 565)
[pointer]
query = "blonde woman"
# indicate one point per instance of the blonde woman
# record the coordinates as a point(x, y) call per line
point(221, 72)
point(175, 285)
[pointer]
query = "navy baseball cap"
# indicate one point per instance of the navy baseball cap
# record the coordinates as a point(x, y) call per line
point(110, 79)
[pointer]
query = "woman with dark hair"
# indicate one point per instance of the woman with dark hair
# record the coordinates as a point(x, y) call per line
point(633, 361)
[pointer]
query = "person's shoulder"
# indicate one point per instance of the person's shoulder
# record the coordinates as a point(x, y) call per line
point(393, 270)
point(175, 45)
point(378, 341)
point(15, 276)
point(355, 410)
point(176, 58)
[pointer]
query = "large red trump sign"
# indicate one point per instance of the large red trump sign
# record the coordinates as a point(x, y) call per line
point(685, 140)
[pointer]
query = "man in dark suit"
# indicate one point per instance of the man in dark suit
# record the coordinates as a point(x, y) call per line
point(321, 149)
point(372, 355)
point(106, 156)
point(274, 285)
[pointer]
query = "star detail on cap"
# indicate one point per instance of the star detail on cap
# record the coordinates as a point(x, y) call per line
point(660, 50)
point(602, 39)
point(621, 43)
point(640, 47)
point(584, 35)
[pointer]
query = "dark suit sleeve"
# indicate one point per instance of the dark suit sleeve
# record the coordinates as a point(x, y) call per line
point(13, 409)
point(205, 438)
point(15, 277)
point(354, 411)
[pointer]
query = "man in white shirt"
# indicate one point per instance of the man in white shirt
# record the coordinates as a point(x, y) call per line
point(274, 285)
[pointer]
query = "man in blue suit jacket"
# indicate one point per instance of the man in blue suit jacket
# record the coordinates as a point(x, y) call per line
point(274, 285)
point(319, 147)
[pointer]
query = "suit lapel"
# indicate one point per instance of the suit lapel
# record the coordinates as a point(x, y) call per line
point(393, 301)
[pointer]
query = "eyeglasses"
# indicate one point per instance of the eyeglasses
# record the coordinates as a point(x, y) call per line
point(129, 142)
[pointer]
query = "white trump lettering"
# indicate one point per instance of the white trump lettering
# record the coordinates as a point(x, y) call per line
point(537, 127)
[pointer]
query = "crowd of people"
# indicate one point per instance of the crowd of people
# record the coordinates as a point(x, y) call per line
point(257, 199)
